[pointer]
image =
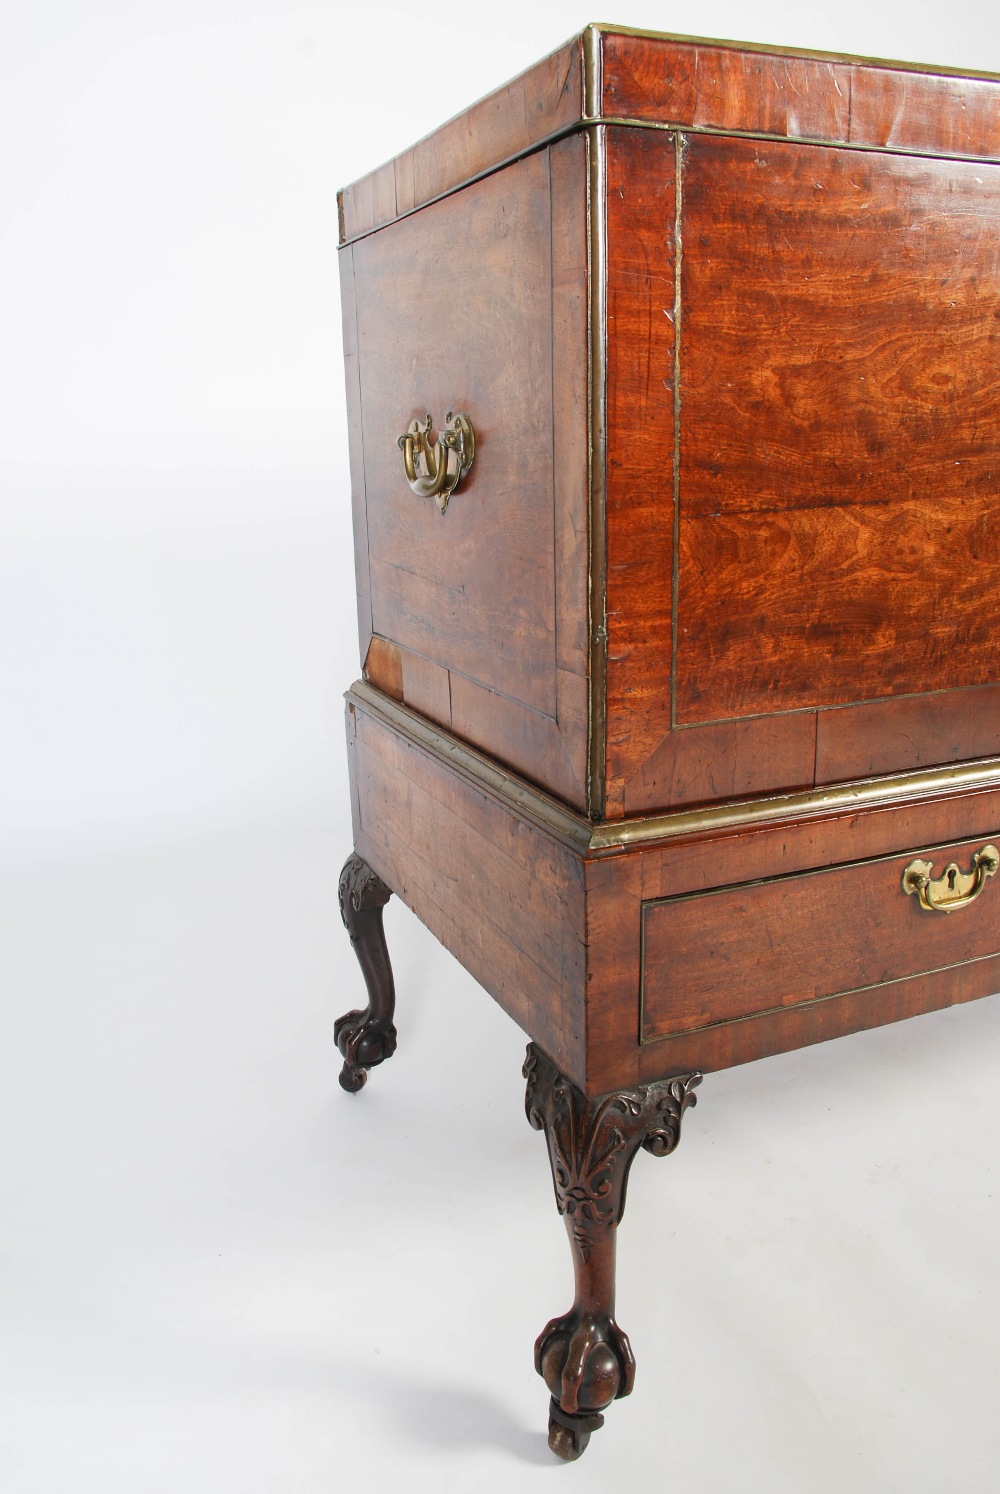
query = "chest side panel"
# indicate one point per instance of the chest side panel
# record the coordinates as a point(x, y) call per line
point(473, 588)
point(840, 465)
point(477, 304)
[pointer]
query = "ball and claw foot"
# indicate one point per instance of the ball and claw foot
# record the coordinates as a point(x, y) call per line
point(363, 1043)
point(586, 1362)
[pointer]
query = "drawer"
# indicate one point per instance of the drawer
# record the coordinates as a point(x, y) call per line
point(744, 951)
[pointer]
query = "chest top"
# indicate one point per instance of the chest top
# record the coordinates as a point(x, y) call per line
point(617, 75)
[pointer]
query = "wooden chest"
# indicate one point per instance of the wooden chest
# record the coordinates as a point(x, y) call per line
point(680, 718)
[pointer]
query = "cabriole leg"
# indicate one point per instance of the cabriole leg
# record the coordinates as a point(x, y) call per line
point(367, 1037)
point(584, 1357)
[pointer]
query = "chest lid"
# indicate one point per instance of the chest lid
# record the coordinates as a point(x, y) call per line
point(615, 75)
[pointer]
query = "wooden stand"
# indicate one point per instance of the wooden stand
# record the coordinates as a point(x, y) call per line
point(637, 958)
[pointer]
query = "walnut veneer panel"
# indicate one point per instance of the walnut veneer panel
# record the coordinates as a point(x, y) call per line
point(891, 736)
point(492, 595)
point(809, 96)
point(352, 385)
point(672, 81)
point(839, 397)
point(840, 489)
point(640, 449)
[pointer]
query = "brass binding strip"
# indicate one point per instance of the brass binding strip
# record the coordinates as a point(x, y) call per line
point(617, 835)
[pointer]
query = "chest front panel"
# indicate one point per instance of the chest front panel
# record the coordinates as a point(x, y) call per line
point(825, 601)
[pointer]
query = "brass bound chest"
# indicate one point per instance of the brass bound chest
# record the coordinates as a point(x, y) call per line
point(674, 393)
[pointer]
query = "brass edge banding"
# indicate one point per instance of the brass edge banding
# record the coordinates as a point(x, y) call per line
point(620, 835)
point(597, 520)
point(593, 78)
point(865, 793)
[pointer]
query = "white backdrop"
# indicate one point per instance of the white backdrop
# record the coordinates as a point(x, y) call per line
point(175, 584)
point(203, 1284)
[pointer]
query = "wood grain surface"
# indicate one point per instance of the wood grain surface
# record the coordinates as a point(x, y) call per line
point(620, 886)
point(640, 447)
point(893, 736)
point(494, 592)
point(355, 448)
point(505, 898)
point(699, 83)
point(554, 931)
point(836, 326)
point(840, 489)
point(735, 953)
point(797, 1027)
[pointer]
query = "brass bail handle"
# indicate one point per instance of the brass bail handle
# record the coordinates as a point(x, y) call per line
point(954, 888)
point(433, 469)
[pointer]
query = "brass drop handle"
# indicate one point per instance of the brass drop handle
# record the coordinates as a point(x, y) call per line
point(954, 888)
point(433, 469)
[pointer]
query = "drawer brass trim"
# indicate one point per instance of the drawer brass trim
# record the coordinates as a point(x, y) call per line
point(953, 889)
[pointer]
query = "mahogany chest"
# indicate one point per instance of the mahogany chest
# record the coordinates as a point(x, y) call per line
point(674, 394)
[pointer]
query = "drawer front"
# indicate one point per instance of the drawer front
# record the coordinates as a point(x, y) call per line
point(740, 952)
